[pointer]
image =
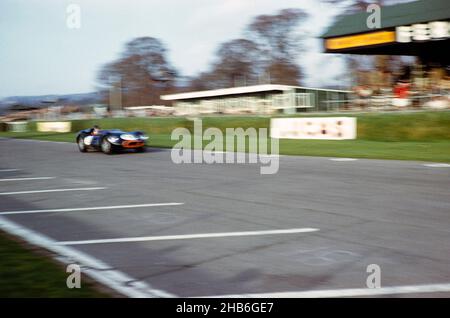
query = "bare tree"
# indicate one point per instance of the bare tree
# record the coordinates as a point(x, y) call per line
point(280, 42)
point(267, 54)
point(284, 72)
point(237, 64)
point(142, 71)
point(276, 33)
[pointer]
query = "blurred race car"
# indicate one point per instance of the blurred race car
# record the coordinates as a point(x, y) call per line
point(111, 140)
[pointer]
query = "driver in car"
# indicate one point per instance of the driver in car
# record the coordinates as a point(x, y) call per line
point(95, 132)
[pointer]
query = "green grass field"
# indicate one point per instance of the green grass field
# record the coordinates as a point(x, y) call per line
point(27, 272)
point(396, 126)
point(434, 151)
point(423, 136)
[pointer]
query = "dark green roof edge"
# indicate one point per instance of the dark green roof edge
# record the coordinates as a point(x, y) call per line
point(391, 16)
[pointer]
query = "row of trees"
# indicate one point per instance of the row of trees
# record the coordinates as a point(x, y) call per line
point(267, 53)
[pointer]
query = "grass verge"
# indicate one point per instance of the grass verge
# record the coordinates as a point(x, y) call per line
point(433, 151)
point(28, 272)
point(423, 136)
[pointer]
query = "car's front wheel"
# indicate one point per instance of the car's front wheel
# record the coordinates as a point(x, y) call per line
point(106, 146)
point(81, 145)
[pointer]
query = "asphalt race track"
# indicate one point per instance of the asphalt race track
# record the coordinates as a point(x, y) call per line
point(162, 229)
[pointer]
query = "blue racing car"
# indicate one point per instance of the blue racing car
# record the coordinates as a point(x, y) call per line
point(111, 140)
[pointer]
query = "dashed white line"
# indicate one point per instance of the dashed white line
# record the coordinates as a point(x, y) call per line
point(188, 236)
point(111, 207)
point(343, 159)
point(437, 165)
point(94, 268)
point(52, 190)
point(39, 140)
point(9, 170)
point(351, 292)
point(26, 179)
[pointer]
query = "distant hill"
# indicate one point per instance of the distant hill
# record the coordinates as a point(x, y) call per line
point(43, 100)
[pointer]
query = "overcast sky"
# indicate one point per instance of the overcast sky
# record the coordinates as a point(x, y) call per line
point(39, 54)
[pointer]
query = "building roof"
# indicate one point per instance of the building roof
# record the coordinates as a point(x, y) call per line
point(392, 16)
point(240, 90)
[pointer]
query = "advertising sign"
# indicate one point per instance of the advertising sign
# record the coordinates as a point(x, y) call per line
point(331, 128)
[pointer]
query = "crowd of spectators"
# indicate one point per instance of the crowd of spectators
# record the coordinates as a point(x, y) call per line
point(412, 88)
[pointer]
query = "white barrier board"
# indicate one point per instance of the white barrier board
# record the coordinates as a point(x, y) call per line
point(17, 126)
point(331, 128)
point(56, 126)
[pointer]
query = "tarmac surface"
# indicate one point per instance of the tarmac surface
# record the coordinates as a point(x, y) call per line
point(189, 230)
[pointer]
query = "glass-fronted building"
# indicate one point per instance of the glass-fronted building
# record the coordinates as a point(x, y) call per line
point(262, 99)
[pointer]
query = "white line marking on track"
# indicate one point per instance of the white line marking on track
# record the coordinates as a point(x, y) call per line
point(94, 268)
point(26, 179)
point(91, 208)
point(351, 292)
point(39, 140)
point(9, 170)
point(437, 165)
point(343, 159)
point(52, 190)
point(187, 236)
